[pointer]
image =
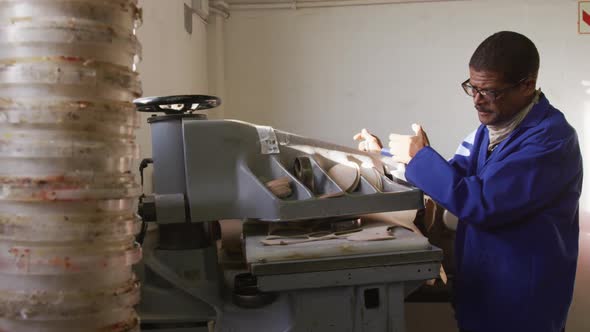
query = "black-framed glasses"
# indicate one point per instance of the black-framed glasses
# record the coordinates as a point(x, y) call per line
point(490, 95)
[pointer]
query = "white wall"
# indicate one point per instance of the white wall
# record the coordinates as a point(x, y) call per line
point(328, 72)
point(174, 62)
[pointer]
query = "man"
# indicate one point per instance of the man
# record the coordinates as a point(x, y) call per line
point(515, 186)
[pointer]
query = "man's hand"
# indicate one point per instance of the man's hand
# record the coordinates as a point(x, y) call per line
point(369, 143)
point(405, 147)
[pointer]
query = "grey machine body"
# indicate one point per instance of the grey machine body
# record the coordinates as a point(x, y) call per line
point(209, 170)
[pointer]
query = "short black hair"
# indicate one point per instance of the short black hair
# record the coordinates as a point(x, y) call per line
point(508, 53)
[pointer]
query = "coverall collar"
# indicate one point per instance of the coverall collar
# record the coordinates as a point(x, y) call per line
point(536, 114)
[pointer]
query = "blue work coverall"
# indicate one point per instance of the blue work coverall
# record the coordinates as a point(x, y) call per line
point(517, 240)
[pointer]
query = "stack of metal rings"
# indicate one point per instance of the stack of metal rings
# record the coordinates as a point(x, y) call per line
point(67, 147)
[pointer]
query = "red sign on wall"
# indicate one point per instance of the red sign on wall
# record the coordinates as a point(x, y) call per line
point(584, 17)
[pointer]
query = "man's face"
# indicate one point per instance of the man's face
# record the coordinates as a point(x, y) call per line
point(507, 104)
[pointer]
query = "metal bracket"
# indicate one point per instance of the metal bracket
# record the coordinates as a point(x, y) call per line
point(200, 8)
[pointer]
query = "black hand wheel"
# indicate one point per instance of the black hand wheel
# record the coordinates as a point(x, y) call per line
point(176, 104)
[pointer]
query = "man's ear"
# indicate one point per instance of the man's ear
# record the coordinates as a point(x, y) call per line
point(530, 85)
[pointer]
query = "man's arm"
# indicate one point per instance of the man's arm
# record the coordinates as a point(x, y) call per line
point(464, 154)
point(506, 190)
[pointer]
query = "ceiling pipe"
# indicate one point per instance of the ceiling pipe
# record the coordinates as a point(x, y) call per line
point(219, 7)
point(324, 4)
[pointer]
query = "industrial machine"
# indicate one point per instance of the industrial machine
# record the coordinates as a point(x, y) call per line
point(341, 278)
